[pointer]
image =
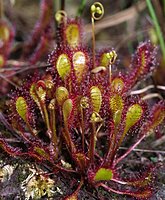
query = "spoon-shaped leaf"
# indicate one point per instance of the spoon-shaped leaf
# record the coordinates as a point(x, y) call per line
point(133, 115)
point(116, 106)
point(22, 108)
point(63, 65)
point(67, 109)
point(103, 174)
point(96, 98)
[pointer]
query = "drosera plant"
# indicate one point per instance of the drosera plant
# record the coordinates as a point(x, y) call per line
point(75, 117)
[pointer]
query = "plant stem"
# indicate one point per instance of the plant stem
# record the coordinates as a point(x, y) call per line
point(110, 154)
point(145, 150)
point(68, 139)
point(53, 127)
point(81, 8)
point(126, 192)
point(30, 128)
point(22, 132)
point(62, 4)
point(92, 143)
point(157, 27)
point(110, 189)
point(129, 150)
point(83, 130)
point(46, 116)
point(93, 40)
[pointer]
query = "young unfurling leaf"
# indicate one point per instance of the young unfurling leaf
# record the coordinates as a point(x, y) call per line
point(117, 85)
point(108, 58)
point(38, 91)
point(40, 88)
point(61, 95)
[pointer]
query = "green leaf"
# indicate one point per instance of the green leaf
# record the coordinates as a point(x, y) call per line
point(116, 106)
point(41, 152)
point(67, 109)
point(4, 33)
point(108, 58)
point(143, 181)
point(103, 174)
point(22, 108)
point(72, 35)
point(133, 115)
point(63, 65)
point(117, 85)
point(104, 61)
point(2, 60)
point(61, 95)
point(157, 117)
point(79, 64)
point(96, 98)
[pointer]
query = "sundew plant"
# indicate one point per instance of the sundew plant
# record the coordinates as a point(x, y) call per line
point(80, 113)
